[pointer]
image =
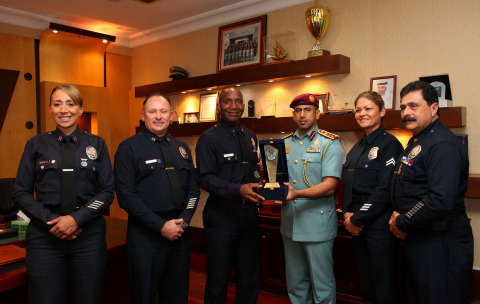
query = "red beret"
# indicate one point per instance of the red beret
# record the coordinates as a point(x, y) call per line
point(305, 99)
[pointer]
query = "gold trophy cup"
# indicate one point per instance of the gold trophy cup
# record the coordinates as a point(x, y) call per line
point(317, 17)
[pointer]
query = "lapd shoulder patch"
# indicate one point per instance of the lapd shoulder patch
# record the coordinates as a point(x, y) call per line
point(183, 152)
point(327, 134)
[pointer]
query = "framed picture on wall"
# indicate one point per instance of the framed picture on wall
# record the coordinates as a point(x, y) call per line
point(190, 117)
point(387, 87)
point(441, 83)
point(323, 102)
point(208, 106)
point(241, 44)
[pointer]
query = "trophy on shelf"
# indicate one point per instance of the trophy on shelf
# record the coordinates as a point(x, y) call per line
point(274, 162)
point(317, 17)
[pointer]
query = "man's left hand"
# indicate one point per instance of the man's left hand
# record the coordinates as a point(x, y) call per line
point(248, 193)
point(393, 226)
point(354, 230)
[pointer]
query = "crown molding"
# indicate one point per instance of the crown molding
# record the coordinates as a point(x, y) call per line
point(228, 14)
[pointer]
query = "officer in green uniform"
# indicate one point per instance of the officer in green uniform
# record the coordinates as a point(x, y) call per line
point(309, 218)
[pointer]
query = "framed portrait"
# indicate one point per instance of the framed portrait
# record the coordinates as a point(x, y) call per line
point(441, 83)
point(241, 44)
point(387, 88)
point(208, 107)
point(190, 117)
point(323, 102)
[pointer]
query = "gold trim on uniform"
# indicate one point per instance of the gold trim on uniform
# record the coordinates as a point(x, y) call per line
point(289, 135)
point(415, 151)
point(328, 134)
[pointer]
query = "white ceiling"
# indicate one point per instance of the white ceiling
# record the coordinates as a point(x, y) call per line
point(133, 22)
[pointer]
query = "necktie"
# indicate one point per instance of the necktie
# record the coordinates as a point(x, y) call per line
point(172, 174)
point(69, 193)
point(348, 185)
point(247, 168)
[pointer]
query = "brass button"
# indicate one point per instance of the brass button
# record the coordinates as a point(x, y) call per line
point(294, 181)
point(310, 160)
point(294, 201)
point(301, 143)
point(321, 212)
point(296, 161)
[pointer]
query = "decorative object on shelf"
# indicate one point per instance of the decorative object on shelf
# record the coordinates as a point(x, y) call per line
point(323, 104)
point(208, 107)
point(280, 47)
point(274, 157)
point(251, 108)
point(177, 72)
point(441, 83)
point(387, 87)
point(241, 44)
point(317, 17)
point(190, 117)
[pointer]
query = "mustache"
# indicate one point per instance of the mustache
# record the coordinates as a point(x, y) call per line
point(409, 118)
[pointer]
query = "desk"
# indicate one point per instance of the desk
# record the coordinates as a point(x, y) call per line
point(13, 277)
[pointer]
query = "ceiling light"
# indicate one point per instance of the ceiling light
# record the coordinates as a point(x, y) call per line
point(55, 31)
point(270, 81)
point(308, 76)
point(80, 32)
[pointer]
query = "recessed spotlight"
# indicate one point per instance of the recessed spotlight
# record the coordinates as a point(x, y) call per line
point(104, 40)
point(270, 81)
point(55, 31)
point(81, 36)
point(209, 89)
point(237, 85)
point(184, 92)
point(308, 76)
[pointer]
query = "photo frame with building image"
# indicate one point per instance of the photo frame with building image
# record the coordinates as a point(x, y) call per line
point(323, 102)
point(242, 43)
point(441, 83)
point(386, 86)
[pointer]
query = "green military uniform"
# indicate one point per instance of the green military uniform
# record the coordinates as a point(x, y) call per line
point(309, 225)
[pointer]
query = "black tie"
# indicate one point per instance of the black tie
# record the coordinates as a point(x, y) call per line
point(69, 193)
point(348, 185)
point(247, 168)
point(172, 174)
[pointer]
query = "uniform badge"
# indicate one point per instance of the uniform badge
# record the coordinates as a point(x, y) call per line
point(373, 153)
point(183, 152)
point(83, 162)
point(415, 151)
point(91, 152)
point(287, 149)
point(316, 142)
point(314, 149)
point(312, 99)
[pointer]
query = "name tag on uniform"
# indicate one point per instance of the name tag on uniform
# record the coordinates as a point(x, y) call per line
point(228, 155)
point(150, 161)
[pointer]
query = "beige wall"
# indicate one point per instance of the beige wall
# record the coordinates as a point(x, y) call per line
point(407, 38)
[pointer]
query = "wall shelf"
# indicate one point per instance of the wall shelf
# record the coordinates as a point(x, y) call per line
point(314, 66)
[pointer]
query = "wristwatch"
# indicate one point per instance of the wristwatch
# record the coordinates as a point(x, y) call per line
point(184, 224)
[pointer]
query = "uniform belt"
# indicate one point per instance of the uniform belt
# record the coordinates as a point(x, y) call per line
point(168, 215)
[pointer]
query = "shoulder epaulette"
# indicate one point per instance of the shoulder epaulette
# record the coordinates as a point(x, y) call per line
point(289, 135)
point(327, 134)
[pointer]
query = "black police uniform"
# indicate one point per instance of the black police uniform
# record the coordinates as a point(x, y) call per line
point(56, 267)
point(428, 191)
point(231, 223)
point(156, 264)
point(376, 246)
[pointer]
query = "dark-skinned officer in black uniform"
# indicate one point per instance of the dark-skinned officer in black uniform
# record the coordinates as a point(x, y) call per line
point(428, 190)
point(64, 183)
point(157, 186)
point(226, 160)
point(366, 201)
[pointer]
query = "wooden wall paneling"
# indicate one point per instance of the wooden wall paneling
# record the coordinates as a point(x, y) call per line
point(119, 80)
point(18, 54)
point(65, 57)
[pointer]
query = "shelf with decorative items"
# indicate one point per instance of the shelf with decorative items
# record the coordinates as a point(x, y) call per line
point(290, 70)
